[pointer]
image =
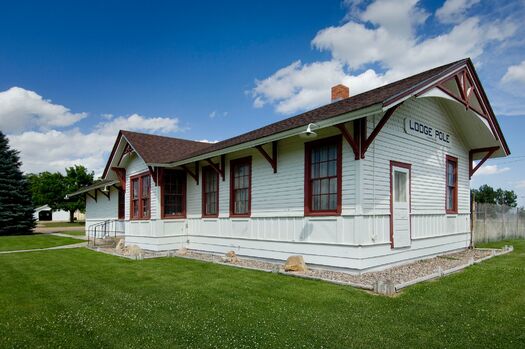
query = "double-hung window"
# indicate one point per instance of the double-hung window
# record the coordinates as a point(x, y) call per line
point(173, 194)
point(451, 194)
point(210, 192)
point(323, 177)
point(240, 187)
point(140, 196)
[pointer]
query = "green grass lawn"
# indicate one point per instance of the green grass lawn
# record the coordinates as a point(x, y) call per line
point(80, 298)
point(61, 224)
point(29, 242)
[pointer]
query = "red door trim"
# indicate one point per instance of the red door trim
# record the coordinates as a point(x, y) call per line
point(409, 167)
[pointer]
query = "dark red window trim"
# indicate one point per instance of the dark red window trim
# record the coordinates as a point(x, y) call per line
point(139, 177)
point(205, 171)
point(121, 194)
point(182, 174)
point(454, 160)
point(409, 167)
point(233, 163)
point(308, 211)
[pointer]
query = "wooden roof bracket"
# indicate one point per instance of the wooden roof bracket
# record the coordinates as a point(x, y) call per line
point(365, 142)
point(154, 172)
point(271, 160)
point(121, 175)
point(195, 175)
point(489, 151)
point(349, 139)
point(106, 194)
point(91, 196)
point(219, 170)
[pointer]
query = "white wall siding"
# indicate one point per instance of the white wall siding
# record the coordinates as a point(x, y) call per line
point(102, 209)
point(427, 159)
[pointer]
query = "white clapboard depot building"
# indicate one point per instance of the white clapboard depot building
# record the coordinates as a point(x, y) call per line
point(364, 182)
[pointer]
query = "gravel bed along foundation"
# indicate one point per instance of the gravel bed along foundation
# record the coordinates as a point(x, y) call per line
point(400, 276)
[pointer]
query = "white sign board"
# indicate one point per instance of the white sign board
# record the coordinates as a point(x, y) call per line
point(424, 130)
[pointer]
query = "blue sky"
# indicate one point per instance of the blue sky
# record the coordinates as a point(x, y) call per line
point(73, 73)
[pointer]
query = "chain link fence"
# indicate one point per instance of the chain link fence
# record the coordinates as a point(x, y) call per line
point(491, 222)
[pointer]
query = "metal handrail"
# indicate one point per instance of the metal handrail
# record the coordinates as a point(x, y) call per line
point(105, 229)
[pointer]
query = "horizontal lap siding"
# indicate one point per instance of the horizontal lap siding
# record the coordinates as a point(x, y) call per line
point(102, 209)
point(427, 159)
point(278, 194)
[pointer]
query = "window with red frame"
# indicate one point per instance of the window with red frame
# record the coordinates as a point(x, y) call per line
point(452, 184)
point(323, 177)
point(173, 194)
point(140, 196)
point(210, 192)
point(240, 186)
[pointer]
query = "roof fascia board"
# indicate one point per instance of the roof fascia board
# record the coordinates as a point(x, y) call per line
point(94, 187)
point(113, 156)
point(387, 105)
point(357, 114)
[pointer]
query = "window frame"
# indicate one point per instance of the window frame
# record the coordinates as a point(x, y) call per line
point(454, 160)
point(140, 216)
point(205, 170)
point(183, 175)
point(233, 163)
point(308, 205)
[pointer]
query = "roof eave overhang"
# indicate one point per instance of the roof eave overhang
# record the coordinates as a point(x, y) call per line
point(92, 187)
point(114, 152)
point(346, 117)
point(421, 88)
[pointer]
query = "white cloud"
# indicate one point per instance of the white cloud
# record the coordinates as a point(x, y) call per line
point(207, 141)
point(21, 109)
point(520, 184)
point(398, 17)
point(515, 73)
point(454, 11)
point(215, 113)
point(384, 33)
point(491, 170)
point(45, 149)
point(301, 86)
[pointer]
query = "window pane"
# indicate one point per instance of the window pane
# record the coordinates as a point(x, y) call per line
point(332, 153)
point(333, 202)
point(333, 186)
point(325, 186)
point(400, 186)
point(332, 168)
point(135, 188)
point(145, 186)
point(324, 202)
point(450, 198)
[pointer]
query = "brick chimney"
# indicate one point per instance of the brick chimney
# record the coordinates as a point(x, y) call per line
point(340, 92)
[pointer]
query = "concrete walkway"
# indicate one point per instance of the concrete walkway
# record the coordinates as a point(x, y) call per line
point(80, 237)
point(41, 229)
point(82, 244)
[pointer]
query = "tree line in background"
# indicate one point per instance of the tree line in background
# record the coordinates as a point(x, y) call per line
point(488, 195)
point(20, 193)
point(51, 188)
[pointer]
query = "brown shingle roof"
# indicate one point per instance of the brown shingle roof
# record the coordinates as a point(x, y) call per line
point(159, 149)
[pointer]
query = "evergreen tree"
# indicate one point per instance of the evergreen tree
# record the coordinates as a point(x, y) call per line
point(16, 206)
